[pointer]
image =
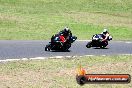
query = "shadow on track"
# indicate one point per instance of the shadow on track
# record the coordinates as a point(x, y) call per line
point(60, 51)
point(100, 48)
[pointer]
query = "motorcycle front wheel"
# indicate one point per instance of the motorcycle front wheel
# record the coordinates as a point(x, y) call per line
point(47, 48)
point(89, 44)
point(104, 44)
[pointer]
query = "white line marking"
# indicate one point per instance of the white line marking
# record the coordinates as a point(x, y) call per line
point(3, 60)
point(103, 55)
point(89, 55)
point(7, 60)
point(51, 57)
point(38, 58)
point(128, 42)
point(12, 59)
point(24, 59)
point(58, 57)
point(80, 56)
point(68, 56)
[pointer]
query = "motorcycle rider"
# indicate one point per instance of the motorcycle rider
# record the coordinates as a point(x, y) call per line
point(63, 35)
point(62, 38)
point(59, 37)
point(66, 32)
point(105, 34)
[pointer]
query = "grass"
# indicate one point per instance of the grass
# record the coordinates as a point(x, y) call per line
point(60, 73)
point(39, 20)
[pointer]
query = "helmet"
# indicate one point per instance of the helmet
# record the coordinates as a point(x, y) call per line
point(66, 29)
point(105, 31)
point(61, 34)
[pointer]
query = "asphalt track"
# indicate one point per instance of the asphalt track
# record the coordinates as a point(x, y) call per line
point(14, 49)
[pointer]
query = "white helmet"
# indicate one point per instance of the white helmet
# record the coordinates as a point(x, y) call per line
point(66, 28)
point(105, 30)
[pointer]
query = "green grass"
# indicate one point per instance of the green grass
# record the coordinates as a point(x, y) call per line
point(61, 73)
point(40, 19)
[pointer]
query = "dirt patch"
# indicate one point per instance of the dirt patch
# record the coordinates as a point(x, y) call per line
point(113, 68)
point(9, 17)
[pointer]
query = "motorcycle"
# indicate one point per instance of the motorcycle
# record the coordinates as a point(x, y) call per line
point(57, 45)
point(97, 41)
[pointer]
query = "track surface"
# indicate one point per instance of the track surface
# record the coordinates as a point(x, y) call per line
point(31, 49)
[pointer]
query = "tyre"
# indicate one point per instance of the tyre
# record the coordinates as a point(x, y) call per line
point(66, 47)
point(89, 44)
point(102, 47)
point(81, 80)
point(104, 44)
point(47, 48)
